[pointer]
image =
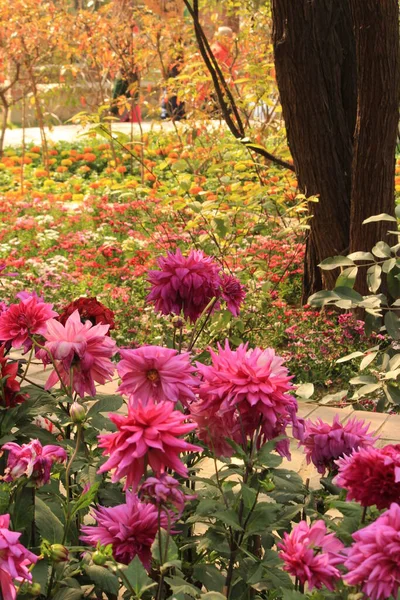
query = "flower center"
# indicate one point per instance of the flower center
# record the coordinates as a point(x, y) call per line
point(152, 375)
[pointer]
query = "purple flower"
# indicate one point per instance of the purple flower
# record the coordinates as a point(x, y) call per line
point(164, 491)
point(32, 460)
point(324, 443)
point(233, 292)
point(184, 284)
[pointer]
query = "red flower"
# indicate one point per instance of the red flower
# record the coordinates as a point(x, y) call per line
point(89, 309)
point(9, 386)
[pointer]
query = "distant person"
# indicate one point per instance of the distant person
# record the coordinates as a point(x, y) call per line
point(127, 86)
point(222, 47)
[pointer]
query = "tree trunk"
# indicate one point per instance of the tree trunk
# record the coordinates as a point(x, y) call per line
point(5, 107)
point(376, 29)
point(316, 73)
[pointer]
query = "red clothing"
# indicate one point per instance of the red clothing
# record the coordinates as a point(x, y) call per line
point(222, 54)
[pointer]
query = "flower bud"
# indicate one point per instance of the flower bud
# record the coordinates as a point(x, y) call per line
point(178, 322)
point(35, 589)
point(77, 413)
point(59, 553)
point(99, 558)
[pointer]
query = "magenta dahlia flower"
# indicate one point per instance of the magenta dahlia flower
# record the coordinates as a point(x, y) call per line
point(165, 491)
point(184, 284)
point(82, 348)
point(130, 528)
point(312, 554)
point(373, 560)
point(32, 460)
point(324, 443)
point(233, 292)
point(149, 434)
point(253, 383)
point(15, 560)
point(20, 321)
point(371, 475)
point(157, 373)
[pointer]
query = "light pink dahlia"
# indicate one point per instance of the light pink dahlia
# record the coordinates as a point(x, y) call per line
point(82, 348)
point(20, 321)
point(15, 560)
point(213, 429)
point(373, 560)
point(32, 460)
point(149, 434)
point(233, 292)
point(157, 373)
point(131, 528)
point(324, 443)
point(165, 491)
point(312, 555)
point(255, 384)
point(184, 283)
point(371, 475)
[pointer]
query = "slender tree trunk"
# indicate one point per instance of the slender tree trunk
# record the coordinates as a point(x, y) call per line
point(316, 74)
point(376, 29)
point(4, 124)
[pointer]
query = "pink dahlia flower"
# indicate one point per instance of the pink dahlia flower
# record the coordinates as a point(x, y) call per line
point(371, 475)
point(82, 348)
point(233, 292)
point(312, 555)
point(373, 560)
point(324, 443)
point(149, 434)
point(20, 321)
point(253, 383)
point(32, 460)
point(131, 528)
point(158, 373)
point(15, 560)
point(213, 429)
point(165, 491)
point(184, 284)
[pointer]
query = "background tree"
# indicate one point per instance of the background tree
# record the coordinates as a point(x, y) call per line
point(337, 67)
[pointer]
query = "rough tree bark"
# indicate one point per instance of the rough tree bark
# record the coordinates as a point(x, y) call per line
point(376, 30)
point(315, 64)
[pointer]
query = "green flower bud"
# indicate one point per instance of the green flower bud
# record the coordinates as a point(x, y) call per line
point(99, 558)
point(35, 589)
point(59, 553)
point(77, 413)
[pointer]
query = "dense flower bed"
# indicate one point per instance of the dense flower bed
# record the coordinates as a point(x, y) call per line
point(96, 502)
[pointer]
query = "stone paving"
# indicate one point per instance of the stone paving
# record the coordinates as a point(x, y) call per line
point(385, 425)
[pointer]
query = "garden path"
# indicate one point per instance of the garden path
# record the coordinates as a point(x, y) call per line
point(70, 133)
point(385, 425)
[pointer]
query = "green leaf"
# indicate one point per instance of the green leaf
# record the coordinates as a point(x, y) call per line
point(229, 517)
point(368, 359)
point(266, 458)
point(348, 294)
point(305, 390)
point(374, 279)
point(336, 261)
point(322, 298)
point(173, 552)
point(137, 576)
point(213, 596)
point(392, 324)
point(49, 526)
point(292, 595)
point(40, 573)
point(392, 393)
point(103, 579)
point(381, 250)
point(86, 499)
point(180, 586)
point(105, 404)
point(348, 357)
point(68, 594)
point(347, 277)
point(388, 265)
point(210, 577)
point(264, 515)
point(360, 256)
point(249, 495)
point(380, 217)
